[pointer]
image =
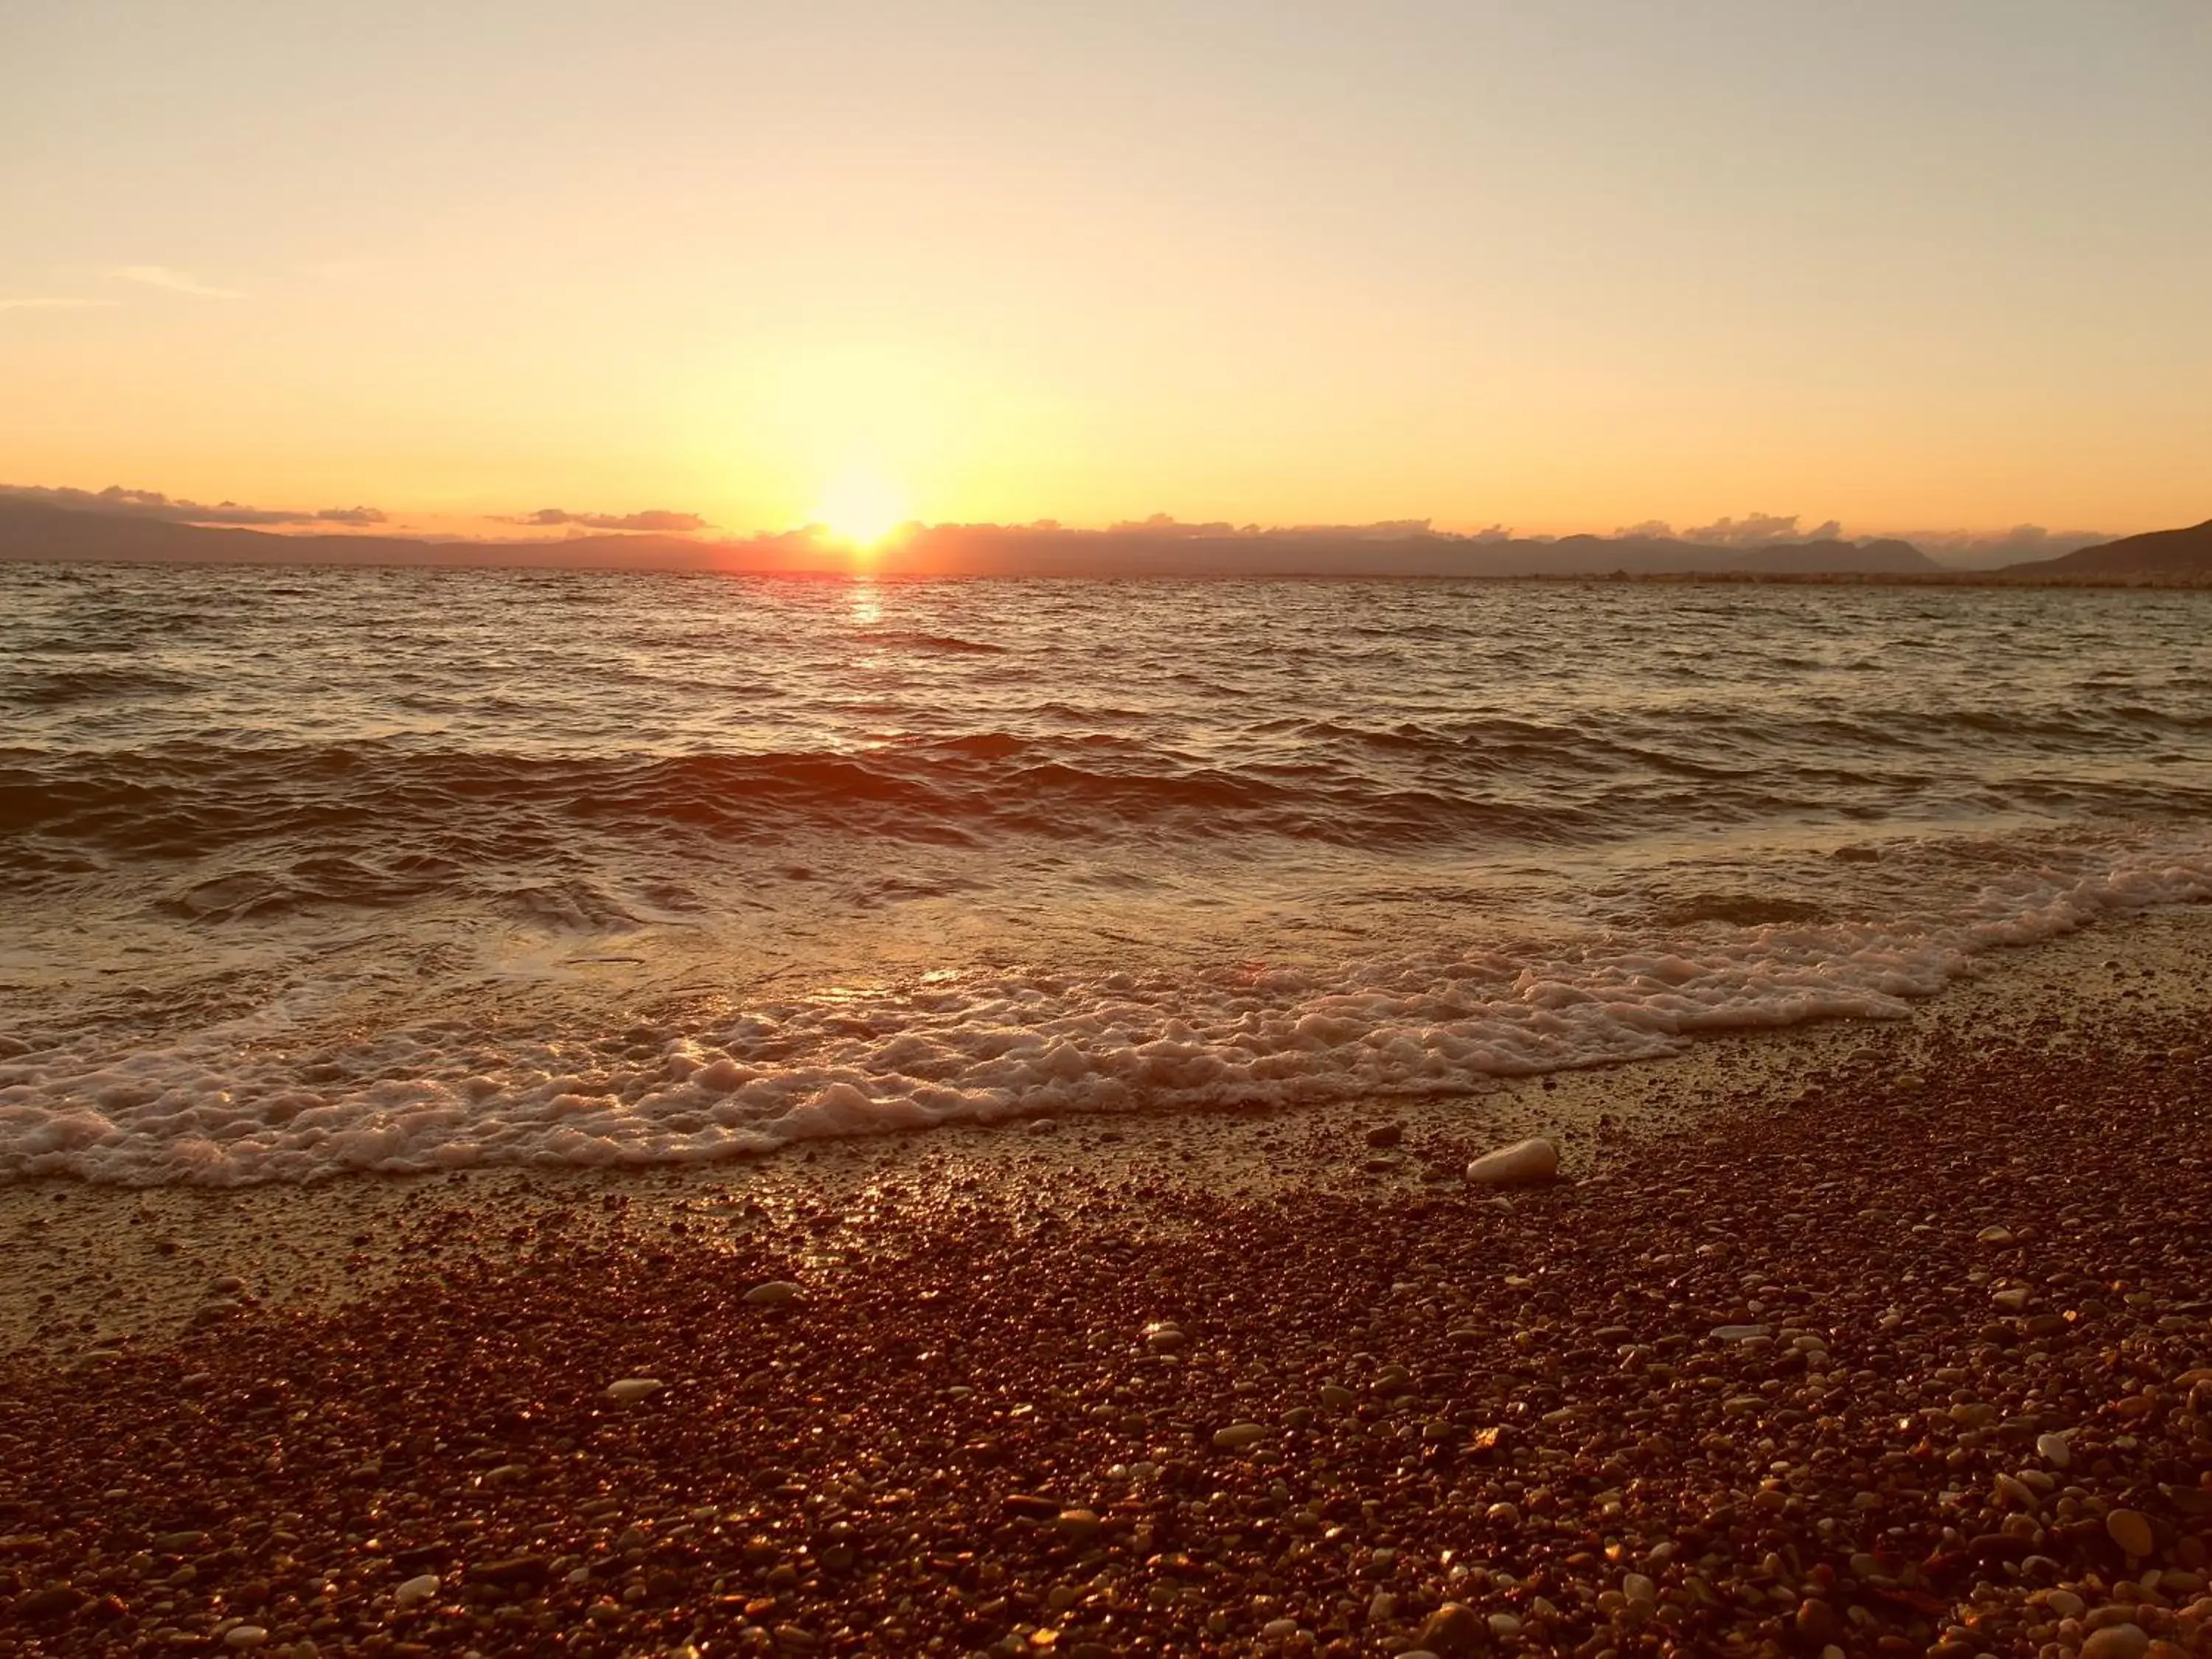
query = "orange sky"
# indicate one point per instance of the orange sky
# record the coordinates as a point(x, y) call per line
point(1561, 267)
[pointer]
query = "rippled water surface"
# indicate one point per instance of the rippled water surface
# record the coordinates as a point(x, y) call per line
point(311, 870)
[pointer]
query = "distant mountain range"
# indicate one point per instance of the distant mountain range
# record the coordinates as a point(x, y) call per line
point(2155, 553)
point(39, 530)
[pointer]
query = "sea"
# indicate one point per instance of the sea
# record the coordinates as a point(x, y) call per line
point(307, 872)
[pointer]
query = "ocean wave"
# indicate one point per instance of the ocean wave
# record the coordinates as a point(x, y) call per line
point(258, 1100)
point(324, 870)
point(200, 800)
point(60, 688)
point(909, 639)
point(1478, 786)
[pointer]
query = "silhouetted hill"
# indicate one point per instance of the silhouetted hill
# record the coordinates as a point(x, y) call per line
point(41, 530)
point(2155, 553)
point(38, 530)
point(991, 550)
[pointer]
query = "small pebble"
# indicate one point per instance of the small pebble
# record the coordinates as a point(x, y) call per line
point(2130, 1530)
point(2116, 1642)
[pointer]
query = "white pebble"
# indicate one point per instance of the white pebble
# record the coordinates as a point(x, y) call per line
point(244, 1636)
point(773, 1294)
point(629, 1390)
point(1525, 1162)
point(1238, 1436)
point(415, 1590)
point(2052, 1449)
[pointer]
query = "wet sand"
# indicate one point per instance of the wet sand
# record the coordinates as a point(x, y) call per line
point(1777, 1368)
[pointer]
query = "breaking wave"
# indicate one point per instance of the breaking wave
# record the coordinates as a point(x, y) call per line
point(319, 871)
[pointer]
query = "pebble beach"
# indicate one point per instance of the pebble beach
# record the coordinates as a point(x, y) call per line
point(1867, 1339)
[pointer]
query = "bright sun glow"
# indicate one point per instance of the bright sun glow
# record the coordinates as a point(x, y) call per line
point(861, 507)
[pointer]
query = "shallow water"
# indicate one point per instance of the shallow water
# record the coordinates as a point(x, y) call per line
point(310, 870)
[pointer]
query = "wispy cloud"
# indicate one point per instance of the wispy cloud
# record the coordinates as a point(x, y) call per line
point(1760, 530)
point(118, 502)
point(658, 518)
point(171, 279)
point(57, 304)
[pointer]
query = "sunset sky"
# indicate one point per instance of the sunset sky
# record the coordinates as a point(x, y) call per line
point(1559, 266)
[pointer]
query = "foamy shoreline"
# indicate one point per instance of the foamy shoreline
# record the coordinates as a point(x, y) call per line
point(99, 1269)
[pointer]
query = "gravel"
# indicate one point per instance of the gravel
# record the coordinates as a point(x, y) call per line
point(1759, 1388)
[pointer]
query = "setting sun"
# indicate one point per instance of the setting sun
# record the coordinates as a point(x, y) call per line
point(861, 507)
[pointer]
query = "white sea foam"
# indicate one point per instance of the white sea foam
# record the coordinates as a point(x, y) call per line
point(226, 1106)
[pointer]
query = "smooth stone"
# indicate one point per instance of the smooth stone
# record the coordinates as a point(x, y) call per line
point(52, 1602)
point(1279, 1630)
point(1078, 1524)
point(1815, 1621)
point(1162, 1338)
point(1504, 1626)
point(2011, 1301)
point(629, 1390)
point(1238, 1436)
point(244, 1636)
point(2052, 1449)
point(2130, 1530)
point(1451, 1629)
point(1637, 1588)
point(1521, 1163)
point(774, 1294)
point(2065, 1603)
point(2116, 1642)
point(416, 1590)
point(1741, 1333)
point(1386, 1134)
